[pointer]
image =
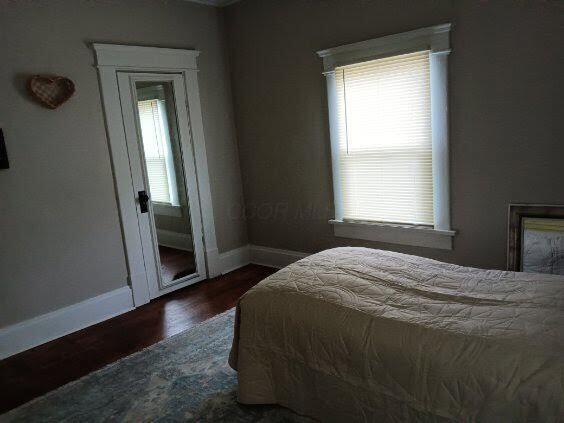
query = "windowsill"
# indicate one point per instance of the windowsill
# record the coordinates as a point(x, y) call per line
point(164, 209)
point(419, 236)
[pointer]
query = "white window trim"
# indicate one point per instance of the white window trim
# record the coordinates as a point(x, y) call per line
point(436, 40)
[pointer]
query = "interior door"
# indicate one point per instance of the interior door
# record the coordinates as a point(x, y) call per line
point(156, 124)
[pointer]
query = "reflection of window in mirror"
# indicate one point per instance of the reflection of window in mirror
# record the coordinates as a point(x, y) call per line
point(159, 156)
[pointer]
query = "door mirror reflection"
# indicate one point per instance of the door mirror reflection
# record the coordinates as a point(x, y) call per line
point(162, 152)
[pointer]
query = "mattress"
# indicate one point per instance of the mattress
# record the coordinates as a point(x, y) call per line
point(356, 334)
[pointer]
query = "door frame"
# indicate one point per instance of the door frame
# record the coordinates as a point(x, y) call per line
point(109, 60)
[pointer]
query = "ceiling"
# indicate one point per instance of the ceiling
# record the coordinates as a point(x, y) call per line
point(218, 3)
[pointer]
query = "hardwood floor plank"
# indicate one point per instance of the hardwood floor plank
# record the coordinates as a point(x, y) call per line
point(41, 369)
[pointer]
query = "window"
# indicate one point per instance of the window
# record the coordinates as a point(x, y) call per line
point(158, 153)
point(388, 119)
point(385, 157)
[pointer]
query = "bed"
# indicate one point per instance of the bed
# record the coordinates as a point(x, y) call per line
point(356, 334)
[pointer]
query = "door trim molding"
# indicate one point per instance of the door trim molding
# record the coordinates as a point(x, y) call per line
point(109, 60)
point(124, 56)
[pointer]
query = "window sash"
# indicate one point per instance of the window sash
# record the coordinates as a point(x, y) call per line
point(385, 158)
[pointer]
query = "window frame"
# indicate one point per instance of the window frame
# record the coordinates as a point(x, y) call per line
point(436, 39)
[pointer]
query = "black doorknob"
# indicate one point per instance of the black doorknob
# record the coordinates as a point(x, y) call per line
point(143, 201)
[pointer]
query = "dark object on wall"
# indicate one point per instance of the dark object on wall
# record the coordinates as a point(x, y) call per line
point(3, 152)
point(536, 239)
point(51, 91)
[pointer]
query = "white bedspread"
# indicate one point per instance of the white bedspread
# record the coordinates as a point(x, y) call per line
point(355, 334)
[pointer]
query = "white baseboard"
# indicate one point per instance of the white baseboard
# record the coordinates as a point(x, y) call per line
point(53, 325)
point(175, 240)
point(274, 257)
point(234, 259)
point(41, 329)
point(266, 256)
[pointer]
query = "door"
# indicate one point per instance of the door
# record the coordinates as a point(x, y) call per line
point(161, 156)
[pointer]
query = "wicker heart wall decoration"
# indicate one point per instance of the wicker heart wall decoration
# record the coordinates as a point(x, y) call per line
point(51, 91)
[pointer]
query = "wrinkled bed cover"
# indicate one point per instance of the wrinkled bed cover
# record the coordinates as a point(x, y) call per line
point(355, 334)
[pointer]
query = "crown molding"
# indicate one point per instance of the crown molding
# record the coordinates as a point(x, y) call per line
point(216, 3)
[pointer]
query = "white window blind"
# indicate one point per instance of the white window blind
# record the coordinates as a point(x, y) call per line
point(385, 146)
point(158, 152)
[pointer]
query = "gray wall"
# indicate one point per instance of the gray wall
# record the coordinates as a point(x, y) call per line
point(506, 113)
point(60, 240)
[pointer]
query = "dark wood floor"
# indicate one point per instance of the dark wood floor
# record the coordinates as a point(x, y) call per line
point(34, 372)
point(175, 263)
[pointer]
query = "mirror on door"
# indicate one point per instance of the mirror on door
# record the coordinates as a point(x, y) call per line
point(166, 182)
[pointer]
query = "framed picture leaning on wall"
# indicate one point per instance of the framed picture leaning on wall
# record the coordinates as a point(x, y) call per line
point(536, 239)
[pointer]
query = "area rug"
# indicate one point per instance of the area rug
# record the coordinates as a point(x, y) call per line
point(183, 378)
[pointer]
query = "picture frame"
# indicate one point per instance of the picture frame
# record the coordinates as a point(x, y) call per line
point(536, 238)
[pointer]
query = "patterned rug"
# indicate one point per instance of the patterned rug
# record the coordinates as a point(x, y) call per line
point(183, 378)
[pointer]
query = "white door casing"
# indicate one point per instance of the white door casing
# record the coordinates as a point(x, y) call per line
point(111, 60)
